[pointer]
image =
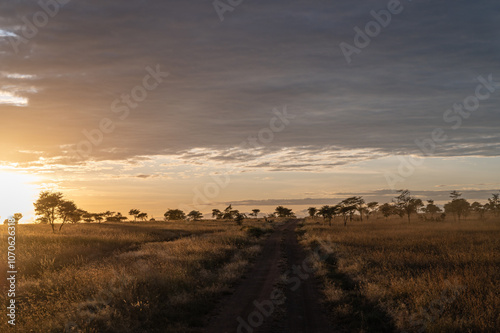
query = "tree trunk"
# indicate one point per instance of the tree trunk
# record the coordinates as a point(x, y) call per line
point(60, 227)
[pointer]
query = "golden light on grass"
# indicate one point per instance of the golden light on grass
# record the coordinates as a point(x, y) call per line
point(18, 192)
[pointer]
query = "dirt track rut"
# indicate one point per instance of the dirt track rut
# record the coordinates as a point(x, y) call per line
point(264, 302)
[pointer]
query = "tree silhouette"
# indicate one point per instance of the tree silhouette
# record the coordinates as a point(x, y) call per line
point(118, 217)
point(99, 217)
point(255, 212)
point(65, 210)
point(47, 206)
point(230, 213)
point(142, 216)
point(349, 206)
point(18, 217)
point(407, 204)
point(431, 208)
point(195, 215)
point(459, 207)
point(88, 217)
point(387, 210)
point(239, 218)
point(359, 202)
point(284, 212)
point(107, 214)
point(479, 209)
point(76, 216)
point(371, 207)
point(174, 214)
point(134, 213)
point(327, 212)
point(494, 204)
point(312, 211)
point(217, 214)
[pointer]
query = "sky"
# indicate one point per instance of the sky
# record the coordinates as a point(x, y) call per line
point(199, 104)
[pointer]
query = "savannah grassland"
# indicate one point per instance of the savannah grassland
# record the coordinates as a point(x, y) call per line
point(380, 275)
point(419, 277)
point(126, 277)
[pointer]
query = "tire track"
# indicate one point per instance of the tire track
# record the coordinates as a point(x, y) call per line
point(264, 303)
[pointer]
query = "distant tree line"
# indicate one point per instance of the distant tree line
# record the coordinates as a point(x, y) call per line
point(52, 207)
point(406, 205)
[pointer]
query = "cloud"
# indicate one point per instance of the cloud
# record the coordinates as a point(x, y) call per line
point(225, 79)
point(380, 196)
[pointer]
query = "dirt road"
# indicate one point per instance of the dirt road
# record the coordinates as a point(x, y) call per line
point(265, 301)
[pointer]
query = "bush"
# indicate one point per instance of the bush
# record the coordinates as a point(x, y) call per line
point(256, 231)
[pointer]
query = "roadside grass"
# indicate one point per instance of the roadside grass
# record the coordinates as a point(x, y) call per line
point(424, 276)
point(140, 277)
point(39, 249)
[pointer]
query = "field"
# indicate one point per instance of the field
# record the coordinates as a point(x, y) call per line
point(425, 276)
point(374, 276)
point(129, 277)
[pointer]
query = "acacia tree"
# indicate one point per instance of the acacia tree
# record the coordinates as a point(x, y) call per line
point(479, 209)
point(217, 214)
point(431, 208)
point(230, 213)
point(347, 213)
point(65, 210)
point(76, 216)
point(494, 203)
point(174, 214)
point(107, 214)
point(407, 204)
point(348, 207)
point(118, 217)
point(459, 207)
point(195, 215)
point(371, 207)
point(284, 212)
point(359, 202)
point(387, 210)
point(47, 206)
point(312, 211)
point(143, 216)
point(255, 212)
point(134, 213)
point(88, 217)
point(239, 218)
point(327, 212)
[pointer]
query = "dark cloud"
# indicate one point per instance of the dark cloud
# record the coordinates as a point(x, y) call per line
point(380, 196)
point(226, 77)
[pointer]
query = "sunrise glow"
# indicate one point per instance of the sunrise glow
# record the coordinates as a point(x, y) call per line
point(18, 192)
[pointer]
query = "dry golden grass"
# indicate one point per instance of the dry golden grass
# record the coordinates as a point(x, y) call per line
point(425, 276)
point(141, 277)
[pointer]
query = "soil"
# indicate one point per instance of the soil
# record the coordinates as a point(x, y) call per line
point(267, 301)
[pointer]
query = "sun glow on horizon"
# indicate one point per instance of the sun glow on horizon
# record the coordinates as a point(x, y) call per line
point(18, 192)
